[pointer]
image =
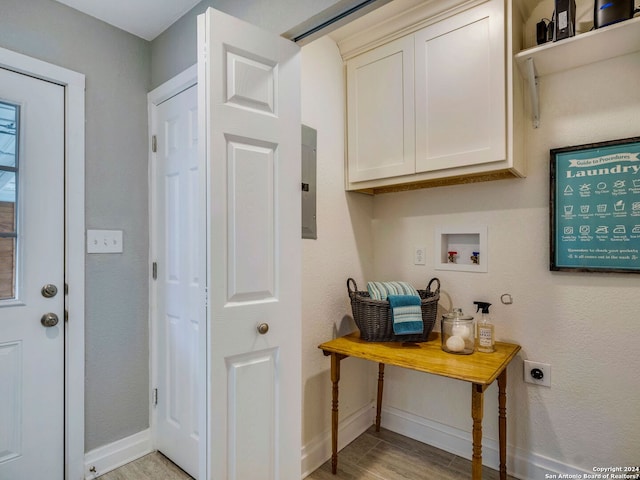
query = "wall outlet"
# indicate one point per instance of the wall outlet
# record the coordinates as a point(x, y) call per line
point(537, 373)
point(419, 256)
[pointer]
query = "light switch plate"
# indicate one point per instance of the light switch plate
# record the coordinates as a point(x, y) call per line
point(104, 241)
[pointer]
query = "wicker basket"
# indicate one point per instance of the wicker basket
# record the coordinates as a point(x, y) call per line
point(373, 317)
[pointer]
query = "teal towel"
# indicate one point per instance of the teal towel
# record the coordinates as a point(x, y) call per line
point(381, 290)
point(406, 314)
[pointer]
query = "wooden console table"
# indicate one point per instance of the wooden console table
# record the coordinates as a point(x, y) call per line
point(480, 369)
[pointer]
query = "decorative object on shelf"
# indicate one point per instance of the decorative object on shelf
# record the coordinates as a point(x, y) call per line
point(486, 332)
point(607, 12)
point(475, 258)
point(452, 256)
point(564, 20)
point(595, 207)
point(457, 332)
point(374, 318)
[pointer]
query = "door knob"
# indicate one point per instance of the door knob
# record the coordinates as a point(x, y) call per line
point(263, 328)
point(49, 319)
point(49, 290)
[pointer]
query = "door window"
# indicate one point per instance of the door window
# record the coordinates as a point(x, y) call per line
point(9, 131)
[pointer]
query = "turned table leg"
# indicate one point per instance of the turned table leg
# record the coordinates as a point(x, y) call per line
point(477, 402)
point(335, 378)
point(380, 387)
point(502, 422)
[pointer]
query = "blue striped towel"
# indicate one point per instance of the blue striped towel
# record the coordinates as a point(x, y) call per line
point(406, 314)
point(381, 290)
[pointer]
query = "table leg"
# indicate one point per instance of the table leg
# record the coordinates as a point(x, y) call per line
point(477, 409)
point(380, 387)
point(502, 422)
point(335, 378)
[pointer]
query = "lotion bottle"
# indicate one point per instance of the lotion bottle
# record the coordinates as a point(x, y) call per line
point(486, 332)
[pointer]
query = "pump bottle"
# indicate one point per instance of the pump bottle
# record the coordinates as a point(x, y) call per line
point(486, 333)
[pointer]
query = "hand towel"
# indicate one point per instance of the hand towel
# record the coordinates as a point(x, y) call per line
point(406, 314)
point(381, 290)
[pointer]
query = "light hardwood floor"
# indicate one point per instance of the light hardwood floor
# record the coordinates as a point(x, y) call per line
point(372, 456)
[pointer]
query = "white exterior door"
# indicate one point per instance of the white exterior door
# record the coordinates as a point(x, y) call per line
point(178, 302)
point(249, 91)
point(31, 256)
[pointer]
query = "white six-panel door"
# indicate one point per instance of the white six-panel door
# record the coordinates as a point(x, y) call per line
point(178, 301)
point(32, 247)
point(250, 98)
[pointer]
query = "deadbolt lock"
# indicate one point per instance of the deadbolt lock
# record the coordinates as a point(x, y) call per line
point(49, 290)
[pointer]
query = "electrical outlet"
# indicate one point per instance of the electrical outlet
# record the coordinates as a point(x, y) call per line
point(419, 256)
point(537, 373)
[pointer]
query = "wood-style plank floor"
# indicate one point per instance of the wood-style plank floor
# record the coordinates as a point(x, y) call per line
point(390, 456)
point(372, 456)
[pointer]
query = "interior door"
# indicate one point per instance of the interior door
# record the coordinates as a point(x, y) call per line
point(249, 86)
point(178, 299)
point(31, 277)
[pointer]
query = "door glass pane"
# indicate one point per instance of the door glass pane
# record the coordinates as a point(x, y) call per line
point(9, 117)
point(8, 134)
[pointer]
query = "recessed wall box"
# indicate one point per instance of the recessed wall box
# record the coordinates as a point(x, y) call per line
point(461, 248)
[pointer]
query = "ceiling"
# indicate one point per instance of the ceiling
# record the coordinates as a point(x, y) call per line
point(144, 18)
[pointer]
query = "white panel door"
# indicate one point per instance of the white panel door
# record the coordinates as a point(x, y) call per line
point(460, 90)
point(178, 299)
point(380, 112)
point(249, 85)
point(31, 256)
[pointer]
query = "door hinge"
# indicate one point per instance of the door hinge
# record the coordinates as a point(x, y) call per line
point(154, 397)
point(154, 270)
point(154, 143)
point(66, 316)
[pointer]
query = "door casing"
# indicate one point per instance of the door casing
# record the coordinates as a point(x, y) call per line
point(74, 85)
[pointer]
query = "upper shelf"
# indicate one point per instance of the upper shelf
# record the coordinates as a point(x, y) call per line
point(607, 42)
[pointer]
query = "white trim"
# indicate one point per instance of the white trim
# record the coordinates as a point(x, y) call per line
point(318, 450)
point(164, 92)
point(74, 85)
point(520, 463)
point(109, 457)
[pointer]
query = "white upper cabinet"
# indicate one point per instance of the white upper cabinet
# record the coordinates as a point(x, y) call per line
point(433, 103)
point(380, 94)
point(460, 90)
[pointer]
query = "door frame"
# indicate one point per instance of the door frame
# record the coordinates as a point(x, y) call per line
point(188, 78)
point(74, 246)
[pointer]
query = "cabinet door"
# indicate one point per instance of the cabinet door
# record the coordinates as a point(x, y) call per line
point(460, 90)
point(380, 112)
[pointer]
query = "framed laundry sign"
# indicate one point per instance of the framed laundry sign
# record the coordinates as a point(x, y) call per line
point(595, 207)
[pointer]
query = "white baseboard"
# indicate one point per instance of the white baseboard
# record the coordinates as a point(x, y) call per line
point(520, 463)
point(318, 450)
point(104, 459)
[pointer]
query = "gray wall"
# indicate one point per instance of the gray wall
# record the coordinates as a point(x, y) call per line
point(175, 49)
point(117, 69)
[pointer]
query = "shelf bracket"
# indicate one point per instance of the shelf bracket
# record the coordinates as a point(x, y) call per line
point(533, 91)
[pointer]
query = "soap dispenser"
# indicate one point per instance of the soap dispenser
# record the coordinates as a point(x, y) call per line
point(486, 333)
